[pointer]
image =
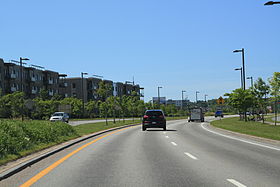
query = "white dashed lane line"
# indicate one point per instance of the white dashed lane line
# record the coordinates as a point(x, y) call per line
point(174, 143)
point(191, 156)
point(236, 183)
point(166, 136)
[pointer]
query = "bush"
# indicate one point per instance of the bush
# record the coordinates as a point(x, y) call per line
point(17, 136)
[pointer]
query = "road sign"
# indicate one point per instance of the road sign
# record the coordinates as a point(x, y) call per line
point(220, 101)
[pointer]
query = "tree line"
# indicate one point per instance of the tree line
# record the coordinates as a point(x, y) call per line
point(256, 99)
point(16, 104)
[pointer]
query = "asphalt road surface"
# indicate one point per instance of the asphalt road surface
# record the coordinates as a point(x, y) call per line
point(187, 154)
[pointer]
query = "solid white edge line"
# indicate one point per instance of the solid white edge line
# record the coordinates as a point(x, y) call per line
point(236, 183)
point(191, 156)
point(241, 140)
point(174, 143)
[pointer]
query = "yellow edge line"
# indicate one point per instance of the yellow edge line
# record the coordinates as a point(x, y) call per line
point(54, 165)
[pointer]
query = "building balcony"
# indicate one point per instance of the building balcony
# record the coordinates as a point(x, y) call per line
point(13, 89)
point(13, 76)
point(50, 81)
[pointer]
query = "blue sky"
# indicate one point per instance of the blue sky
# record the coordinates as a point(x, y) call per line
point(178, 44)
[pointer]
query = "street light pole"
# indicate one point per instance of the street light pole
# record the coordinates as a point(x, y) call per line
point(236, 69)
point(243, 65)
point(83, 99)
point(182, 99)
point(205, 97)
point(252, 82)
point(159, 95)
point(21, 79)
point(196, 96)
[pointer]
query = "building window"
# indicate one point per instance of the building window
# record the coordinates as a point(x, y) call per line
point(73, 85)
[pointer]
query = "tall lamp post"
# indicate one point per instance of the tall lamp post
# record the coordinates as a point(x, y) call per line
point(252, 82)
point(243, 65)
point(21, 79)
point(240, 69)
point(272, 3)
point(205, 97)
point(196, 96)
point(83, 98)
point(158, 94)
point(182, 99)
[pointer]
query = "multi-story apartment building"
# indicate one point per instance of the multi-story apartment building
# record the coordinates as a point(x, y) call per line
point(35, 78)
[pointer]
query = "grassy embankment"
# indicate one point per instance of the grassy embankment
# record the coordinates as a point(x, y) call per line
point(250, 127)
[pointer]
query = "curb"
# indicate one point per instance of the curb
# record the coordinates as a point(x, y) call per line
point(26, 164)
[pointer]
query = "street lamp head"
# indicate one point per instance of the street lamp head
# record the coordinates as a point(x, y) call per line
point(249, 77)
point(237, 51)
point(24, 58)
point(271, 3)
point(236, 69)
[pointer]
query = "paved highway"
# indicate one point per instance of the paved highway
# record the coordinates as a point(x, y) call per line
point(187, 154)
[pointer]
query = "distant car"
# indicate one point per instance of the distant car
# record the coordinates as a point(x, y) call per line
point(154, 119)
point(60, 116)
point(219, 113)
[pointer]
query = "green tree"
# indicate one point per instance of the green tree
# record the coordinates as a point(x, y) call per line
point(104, 110)
point(92, 108)
point(76, 106)
point(241, 100)
point(275, 87)
point(261, 89)
point(12, 105)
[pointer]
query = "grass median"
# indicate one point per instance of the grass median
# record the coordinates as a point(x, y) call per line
point(250, 128)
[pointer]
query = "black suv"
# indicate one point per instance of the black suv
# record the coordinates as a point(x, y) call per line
point(153, 119)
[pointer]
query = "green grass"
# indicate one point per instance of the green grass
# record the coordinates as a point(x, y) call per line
point(269, 118)
point(250, 127)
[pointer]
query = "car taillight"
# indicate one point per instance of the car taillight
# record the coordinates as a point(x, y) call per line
point(145, 116)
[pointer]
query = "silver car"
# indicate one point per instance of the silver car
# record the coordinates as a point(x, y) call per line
point(60, 116)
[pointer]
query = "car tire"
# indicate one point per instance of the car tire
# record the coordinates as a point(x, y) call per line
point(164, 128)
point(143, 128)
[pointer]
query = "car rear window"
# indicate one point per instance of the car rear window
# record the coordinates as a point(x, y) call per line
point(154, 113)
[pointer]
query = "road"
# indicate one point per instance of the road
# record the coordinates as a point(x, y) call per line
point(187, 154)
